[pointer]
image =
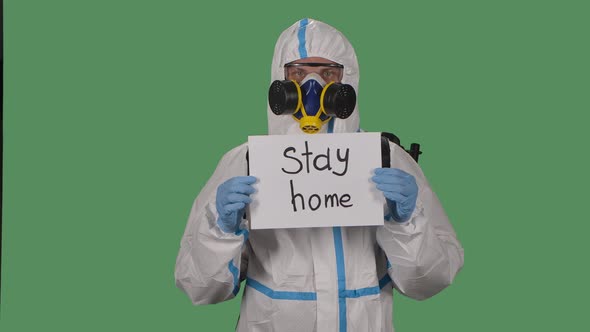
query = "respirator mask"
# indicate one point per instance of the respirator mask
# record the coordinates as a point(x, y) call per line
point(308, 98)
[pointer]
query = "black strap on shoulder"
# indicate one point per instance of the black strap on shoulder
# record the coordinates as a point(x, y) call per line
point(385, 152)
point(414, 150)
point(247, 162)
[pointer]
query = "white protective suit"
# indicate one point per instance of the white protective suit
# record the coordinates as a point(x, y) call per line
point(316, 279)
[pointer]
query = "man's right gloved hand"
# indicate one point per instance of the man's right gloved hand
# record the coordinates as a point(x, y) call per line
point(232, 197)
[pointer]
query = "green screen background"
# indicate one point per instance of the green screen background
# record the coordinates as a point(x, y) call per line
point(117, 112)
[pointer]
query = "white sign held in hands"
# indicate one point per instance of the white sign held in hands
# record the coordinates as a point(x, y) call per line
point(316, 180)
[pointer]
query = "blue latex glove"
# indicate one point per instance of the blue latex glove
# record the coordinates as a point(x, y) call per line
point(232, 197)
point(400, 190)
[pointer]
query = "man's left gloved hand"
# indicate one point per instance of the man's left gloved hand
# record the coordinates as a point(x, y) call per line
point(400, 190)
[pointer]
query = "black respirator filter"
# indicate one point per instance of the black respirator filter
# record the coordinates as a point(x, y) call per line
point(339, 99)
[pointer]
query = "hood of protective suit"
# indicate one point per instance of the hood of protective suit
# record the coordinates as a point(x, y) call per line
point(310, 38)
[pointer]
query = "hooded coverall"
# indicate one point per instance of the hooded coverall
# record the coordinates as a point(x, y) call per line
point(316, 279)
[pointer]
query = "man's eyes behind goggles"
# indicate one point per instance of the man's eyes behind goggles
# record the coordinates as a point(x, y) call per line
point(328, 71)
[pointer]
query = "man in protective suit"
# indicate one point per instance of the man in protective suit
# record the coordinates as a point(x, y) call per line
point(316, 279)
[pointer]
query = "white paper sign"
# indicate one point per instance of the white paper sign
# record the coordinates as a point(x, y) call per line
point(316, 180)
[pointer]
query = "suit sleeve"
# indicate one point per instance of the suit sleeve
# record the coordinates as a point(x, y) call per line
point(210, 261)
point(424, 254)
